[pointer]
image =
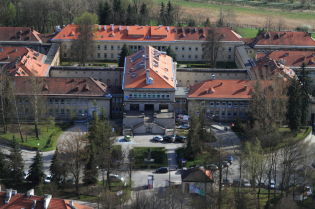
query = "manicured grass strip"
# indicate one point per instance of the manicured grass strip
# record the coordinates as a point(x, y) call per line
point(157, 153)
point(48, 136)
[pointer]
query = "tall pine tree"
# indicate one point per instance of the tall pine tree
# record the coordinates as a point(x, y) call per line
point(306, 91)
point(124, 53)
point(57, 170)
point(16, 165)
point(143, 19)
point(36, 173)
point(294, 105)
point(162, 15)
point(104, 13)
point(3, 169)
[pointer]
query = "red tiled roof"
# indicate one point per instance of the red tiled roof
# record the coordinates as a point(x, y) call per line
point(146, 33)
point(61, 86)
point(19, 201)
point(232, 89)
point(292, 58)
point(9, 54)
point(291, 38)
point(30, 64)
point(19, 34)
point(149, 61)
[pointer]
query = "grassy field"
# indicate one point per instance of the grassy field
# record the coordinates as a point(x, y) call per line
point(245, 14)
point(247, 32)
point(47, 138)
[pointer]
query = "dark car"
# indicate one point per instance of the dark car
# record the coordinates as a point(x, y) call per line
point(226, 182)
point(161, 170)
point(168, 139)
point(180, 139)
point(229, 158)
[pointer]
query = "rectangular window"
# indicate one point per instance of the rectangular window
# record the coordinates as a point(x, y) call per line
point(176, 48)
point(189, 48)
point(105, 47)
point(183, 48)
point(105, 55)
point(196, 48)
point(98, 47)
point(112, 47)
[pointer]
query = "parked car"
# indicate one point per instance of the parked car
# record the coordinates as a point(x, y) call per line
point(180, 139)
point(169, 138)
point(157, 139)
point(47, 179)
point(161, 170)
point(246, 183)
point(117, 178)
point(308, 190)
point(212, 167)
point(229, 158)
point(272, 184)
point(226, 182)
point(184, 126)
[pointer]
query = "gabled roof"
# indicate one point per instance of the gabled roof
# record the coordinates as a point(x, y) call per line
point(197, 175)
point(10, 54)
point(31, 63)
point(19, 34)
point(19, 201)
point(147, 33)
point(60, 86)
point(232, 89)
point(149, 63)
point(292, 58)
point(284, 38)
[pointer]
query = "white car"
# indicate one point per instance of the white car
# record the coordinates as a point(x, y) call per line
point(47, 179)
point(157, 139)
point(117, 178)
point(246, 183)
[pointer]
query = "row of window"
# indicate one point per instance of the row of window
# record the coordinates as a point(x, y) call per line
point(66, 101)
point(229, 114)
point(229, 104)
point(67, 111)
point(105, 47)
point(149, 96)
point(105, 56)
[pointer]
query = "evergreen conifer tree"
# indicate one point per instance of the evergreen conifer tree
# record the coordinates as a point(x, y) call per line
point(143, 19)
point(162, 14)
point(124, 53)
point(294, 105)
point(306, 91)
point(171, 53)
point(104, 13)
point(57, 171)
point(3, 168)
point(36, 173)
point(16, 165)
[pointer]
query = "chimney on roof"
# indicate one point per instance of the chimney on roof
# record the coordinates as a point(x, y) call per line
point(148, 79)
point(47, 198)
point(104, 27)
point(30, 193)
point(210, 90)
point(112, 25)
point(34, 204)
point(213, 77)
point(8, 195)
point(245, 87)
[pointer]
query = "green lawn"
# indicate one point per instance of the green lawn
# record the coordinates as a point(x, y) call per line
point(157, 153)
point(47, 138)
point(242, 9)
point(247, 32)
